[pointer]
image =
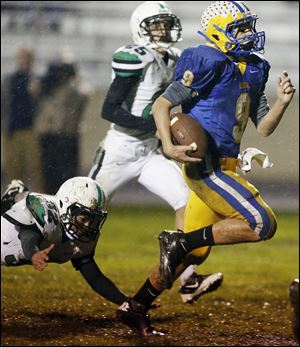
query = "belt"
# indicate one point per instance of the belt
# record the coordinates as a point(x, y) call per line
point(228, 163)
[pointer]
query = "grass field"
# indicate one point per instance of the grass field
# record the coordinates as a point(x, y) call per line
point(251, 308)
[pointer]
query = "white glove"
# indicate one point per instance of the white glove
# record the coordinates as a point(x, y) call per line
point(249, 154)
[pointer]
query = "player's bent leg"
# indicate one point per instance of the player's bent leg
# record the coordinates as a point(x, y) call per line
point(11, 249)
point(198, 215)
point(164, 178)
point(233, 197)
point(196, 285)
point(189, 270)
point(247, 217)
point(109, 159)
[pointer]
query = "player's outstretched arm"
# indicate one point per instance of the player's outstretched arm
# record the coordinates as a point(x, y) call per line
point(30, 241)
point(98, 281)
point(285, 93)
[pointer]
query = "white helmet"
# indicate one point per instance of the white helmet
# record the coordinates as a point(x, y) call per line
point(155, 12)
point(81, 196)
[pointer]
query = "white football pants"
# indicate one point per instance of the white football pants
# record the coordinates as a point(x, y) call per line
point(121, 158)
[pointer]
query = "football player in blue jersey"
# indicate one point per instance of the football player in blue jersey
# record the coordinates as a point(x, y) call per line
point(221, 84)
point(142, 71)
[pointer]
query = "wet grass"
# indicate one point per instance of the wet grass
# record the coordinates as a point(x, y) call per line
point(56, 307)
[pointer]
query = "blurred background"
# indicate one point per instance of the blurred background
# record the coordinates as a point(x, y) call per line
point(76, 40)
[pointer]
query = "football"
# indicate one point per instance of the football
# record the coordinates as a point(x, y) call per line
point(185, 130)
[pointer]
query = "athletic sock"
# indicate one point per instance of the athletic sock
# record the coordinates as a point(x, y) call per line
point(147, 294)
point(198, 238)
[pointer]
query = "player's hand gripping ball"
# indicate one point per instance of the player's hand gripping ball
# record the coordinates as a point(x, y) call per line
point(185, 130)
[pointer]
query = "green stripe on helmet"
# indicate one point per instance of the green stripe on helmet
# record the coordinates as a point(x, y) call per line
point(101, 198)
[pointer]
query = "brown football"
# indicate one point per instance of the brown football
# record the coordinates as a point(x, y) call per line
point(185, 130)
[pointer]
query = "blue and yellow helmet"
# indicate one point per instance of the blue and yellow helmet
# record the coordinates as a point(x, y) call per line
point(221, 22)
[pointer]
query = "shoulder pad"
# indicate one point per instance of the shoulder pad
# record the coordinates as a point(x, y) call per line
point(19, 214)
point(130, 60)
point(44, 211)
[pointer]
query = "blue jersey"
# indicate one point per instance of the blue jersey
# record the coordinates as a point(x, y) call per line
point(228, 93)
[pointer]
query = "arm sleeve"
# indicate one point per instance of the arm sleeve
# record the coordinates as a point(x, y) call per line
point(112, 108)
point(261, 110)
point(259, 106)
point(178, 94)
point(30, 241)
point(98, 281)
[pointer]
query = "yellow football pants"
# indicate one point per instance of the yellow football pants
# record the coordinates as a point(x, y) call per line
point(221, 193)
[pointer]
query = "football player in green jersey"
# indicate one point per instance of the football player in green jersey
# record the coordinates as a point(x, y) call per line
point(38, 229)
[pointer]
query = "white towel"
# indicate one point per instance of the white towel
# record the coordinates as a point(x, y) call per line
point(249, 154)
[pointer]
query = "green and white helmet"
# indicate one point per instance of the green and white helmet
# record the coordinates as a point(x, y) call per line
point(81, 196)
point(155, 14)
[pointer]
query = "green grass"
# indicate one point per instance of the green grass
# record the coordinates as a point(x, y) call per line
point(56, 306)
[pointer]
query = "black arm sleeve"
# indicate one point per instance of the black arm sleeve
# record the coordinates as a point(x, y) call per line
point(98, 281)
point(112, 108)
point(178, 94)
point(261, 109)
point(30, 241)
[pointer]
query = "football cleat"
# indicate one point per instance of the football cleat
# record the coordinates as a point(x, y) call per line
point(198, 285)
point(172, 250)
point(134, 315)
point(8, 198)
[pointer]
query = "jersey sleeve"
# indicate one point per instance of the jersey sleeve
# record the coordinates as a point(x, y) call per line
point(128, 64)
point(129, 61)
point(30, 241)
point(19, 214)
point(259, 106)
point(196, 70)
point(265, 67)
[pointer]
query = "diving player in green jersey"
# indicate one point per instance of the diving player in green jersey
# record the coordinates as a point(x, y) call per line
point(37, 229)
